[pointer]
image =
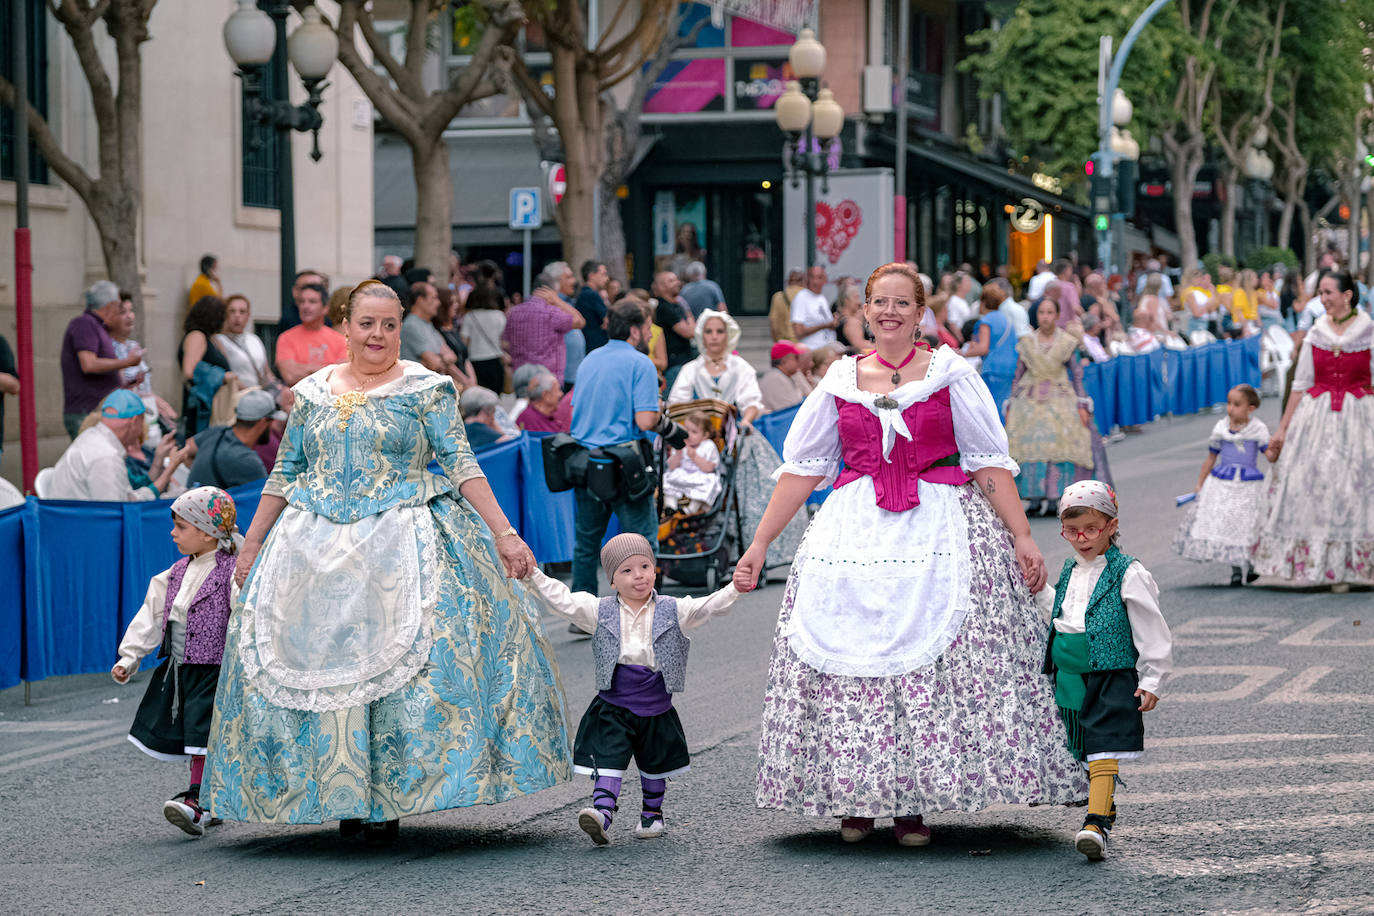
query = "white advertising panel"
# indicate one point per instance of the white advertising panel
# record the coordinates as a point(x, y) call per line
point(853, 223)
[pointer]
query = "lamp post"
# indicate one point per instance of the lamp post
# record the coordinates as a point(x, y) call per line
point(1259, 169)
point(807, 113)
point(256, 38)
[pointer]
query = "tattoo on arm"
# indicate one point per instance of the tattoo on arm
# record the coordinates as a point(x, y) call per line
point(990, 486)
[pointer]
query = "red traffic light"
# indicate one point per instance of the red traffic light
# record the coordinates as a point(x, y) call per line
point(1088, 168)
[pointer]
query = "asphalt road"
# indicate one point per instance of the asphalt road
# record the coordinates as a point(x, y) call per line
point(1256, 795)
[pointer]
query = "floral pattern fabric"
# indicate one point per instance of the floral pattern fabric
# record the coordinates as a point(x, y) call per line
point(1317, 521)
point(976, 727)
point(1045, 434)
point(482, 721)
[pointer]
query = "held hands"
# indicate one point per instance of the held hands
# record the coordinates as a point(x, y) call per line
point(750, 565)
point(1148, 700)
point(515, 556)
point(1086, 416)
point(1031, 562)
point(119, 674)
point(248, 554)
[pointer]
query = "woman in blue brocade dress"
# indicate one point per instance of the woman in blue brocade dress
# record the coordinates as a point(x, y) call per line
point(380, 663)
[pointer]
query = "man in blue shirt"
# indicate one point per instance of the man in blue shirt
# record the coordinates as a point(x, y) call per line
point(615, 402)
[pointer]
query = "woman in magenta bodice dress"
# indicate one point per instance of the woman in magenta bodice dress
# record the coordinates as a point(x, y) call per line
point(906, 675)
point(1317, 525)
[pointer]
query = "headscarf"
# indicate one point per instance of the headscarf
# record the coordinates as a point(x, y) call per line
point(732, 332)
point(1091, 494)
point(211, 510)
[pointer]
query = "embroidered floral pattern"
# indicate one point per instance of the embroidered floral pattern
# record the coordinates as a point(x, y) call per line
point(976, 727)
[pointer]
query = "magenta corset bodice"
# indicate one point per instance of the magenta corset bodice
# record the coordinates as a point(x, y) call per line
point(931, 455)
point(1341, 374)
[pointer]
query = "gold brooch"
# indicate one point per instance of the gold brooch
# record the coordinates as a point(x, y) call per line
point(345, 404)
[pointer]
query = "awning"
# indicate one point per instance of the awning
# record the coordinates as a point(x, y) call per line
point(787, 15)
point(1013, 185)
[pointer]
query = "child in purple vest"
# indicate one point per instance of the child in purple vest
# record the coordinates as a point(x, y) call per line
point(641, 661)
point(184, 615)
point(1109, 650)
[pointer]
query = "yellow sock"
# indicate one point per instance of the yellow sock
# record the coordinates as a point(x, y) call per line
point(1102, 786)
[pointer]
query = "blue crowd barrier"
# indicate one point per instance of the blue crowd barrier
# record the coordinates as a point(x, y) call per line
point(73, 574)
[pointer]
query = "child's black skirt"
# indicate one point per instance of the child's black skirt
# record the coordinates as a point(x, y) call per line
point(173, 721)
point(609, 735)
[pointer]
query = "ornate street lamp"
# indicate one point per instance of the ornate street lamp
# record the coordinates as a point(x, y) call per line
point(1259, 169)
point(807, 114)
point(255, 39)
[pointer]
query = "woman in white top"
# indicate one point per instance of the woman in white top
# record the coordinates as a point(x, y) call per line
point(724, 375)
point(483, 324)
point(245, 352)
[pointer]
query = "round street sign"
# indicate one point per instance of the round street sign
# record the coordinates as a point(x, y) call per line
point(558, 182)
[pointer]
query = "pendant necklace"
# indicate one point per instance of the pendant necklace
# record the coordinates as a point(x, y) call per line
point(350, 401)
point(897, 369)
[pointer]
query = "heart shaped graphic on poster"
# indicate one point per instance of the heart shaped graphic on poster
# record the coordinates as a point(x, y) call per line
point(836, 227)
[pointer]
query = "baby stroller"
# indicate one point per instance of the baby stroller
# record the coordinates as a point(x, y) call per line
point(695, 550)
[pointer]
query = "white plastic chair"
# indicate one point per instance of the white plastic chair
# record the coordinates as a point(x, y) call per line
point(1201, 337)
point(42, 483)
point(1121, 348)
point(1276, 356)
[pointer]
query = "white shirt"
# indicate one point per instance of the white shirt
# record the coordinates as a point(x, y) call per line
point(1036, 287)
point(809, 309)
point(93, 467)
point(1018, 316)
point(1310, 313)
point(1140, 594)
point(246, 355)
point(959, 311)
point(145, 630)
point(738, 384)
point(482, 329)
point(636, 624)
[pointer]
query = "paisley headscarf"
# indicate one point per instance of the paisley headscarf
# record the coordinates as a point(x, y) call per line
point(211, 510)
point(1091, 494)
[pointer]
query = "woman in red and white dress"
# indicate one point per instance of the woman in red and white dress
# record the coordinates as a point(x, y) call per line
point(1318, 523)
point(907, 668)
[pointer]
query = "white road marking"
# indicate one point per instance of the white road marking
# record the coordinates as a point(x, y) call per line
point(1253, 677)
point(1276, 826)
point(1190, 796)
point(1307, 636)
point(1299, 690)
point(1196, 868)
point(1192, 740)
point(84, 739)
point(1227, 631)
point(1252, 763)
point(86, 746)
point(69, 725)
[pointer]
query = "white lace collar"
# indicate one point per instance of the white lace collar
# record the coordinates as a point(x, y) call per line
point(1253, 430)
point(946, 367)
point(1359, 334)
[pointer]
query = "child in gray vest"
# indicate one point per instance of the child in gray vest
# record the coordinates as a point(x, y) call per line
point(185, 616)
point(641, 661)
point(1109, 649)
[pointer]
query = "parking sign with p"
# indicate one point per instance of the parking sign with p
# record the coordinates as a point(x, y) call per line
point(524, 208)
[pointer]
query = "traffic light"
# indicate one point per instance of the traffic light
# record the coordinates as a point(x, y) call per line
point(1125, 186)
point(1101, 187)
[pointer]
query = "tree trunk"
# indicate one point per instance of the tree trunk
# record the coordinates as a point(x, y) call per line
point(116, 222)
point(1309, 250)
point(1290, 208)
point(1183, 168)
point(433, 205)
point(613, 232)
point(579, 121)
point(1228, 210)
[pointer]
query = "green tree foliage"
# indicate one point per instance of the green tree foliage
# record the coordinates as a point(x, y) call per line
point(1043, 60)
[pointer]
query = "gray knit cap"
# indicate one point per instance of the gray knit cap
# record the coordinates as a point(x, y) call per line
point(620, 548)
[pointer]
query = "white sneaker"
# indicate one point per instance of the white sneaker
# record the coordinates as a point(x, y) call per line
point(1092, 843)
point(186, 813)
point(593, 824)
point(647, 830)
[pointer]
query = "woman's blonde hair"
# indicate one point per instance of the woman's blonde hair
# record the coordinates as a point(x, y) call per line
point(338, 305)
point(374, 289)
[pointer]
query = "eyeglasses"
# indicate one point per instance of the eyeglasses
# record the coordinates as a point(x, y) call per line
point(1081, 534)
point(882, 302)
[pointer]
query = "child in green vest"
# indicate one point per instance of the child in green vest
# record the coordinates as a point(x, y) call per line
point(1109, 649)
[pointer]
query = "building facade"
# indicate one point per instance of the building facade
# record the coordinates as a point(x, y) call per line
point(711, 178)
point(207, 189)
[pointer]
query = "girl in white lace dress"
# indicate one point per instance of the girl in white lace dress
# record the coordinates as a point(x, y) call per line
point(906, 675)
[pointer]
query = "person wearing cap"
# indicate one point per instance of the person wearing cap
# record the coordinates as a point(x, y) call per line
point(784, 385)
point(93, 466)
point(184, 616)
point(640, 651)
point(225, 456)
point(1108, 664)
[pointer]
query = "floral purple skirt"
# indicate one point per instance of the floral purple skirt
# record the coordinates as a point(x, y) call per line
point(978, 727)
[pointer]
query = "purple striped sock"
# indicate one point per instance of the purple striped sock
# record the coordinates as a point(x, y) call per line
point(605, 794)
point(653, 790)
